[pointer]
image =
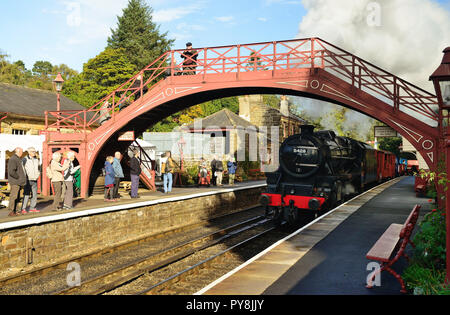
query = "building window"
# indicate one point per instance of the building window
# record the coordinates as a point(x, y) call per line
point(20, 132)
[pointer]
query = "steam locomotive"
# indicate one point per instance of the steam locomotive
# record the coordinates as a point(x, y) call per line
point(318, 170)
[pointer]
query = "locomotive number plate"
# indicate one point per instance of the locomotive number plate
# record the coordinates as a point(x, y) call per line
point(300, 151)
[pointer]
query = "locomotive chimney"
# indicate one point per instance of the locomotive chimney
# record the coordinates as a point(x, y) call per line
point(307, 129)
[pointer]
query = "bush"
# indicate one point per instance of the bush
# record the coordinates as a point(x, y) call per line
point(426, 273)
point(430, 241)
point(425, 281)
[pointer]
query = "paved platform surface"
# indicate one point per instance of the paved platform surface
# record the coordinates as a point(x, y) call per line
point(328, 257)
point(97, 201)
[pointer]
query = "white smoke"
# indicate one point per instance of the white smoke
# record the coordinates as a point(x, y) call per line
point(404, 37)
point(408, 41)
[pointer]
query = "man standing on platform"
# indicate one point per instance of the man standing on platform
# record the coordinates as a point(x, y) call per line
point(17, 179)
point(135, 172)
point(118, 173)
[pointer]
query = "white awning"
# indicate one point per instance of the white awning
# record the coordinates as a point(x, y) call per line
point(11, 142)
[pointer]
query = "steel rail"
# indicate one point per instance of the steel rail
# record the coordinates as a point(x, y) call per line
point(134, 269)
point(23, 277)
point(163, 285)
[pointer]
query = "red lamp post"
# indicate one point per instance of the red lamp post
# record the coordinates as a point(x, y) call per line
point(441, 81)
point(58, 84)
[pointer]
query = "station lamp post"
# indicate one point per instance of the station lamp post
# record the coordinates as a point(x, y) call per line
point(441, 81)
point(58, 85)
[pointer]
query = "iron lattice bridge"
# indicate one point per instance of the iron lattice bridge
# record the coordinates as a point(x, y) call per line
point(240, 61)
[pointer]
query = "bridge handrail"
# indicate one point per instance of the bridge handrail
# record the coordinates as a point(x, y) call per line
point(266, 56)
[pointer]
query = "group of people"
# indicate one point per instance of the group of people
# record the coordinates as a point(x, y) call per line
point(61, 171)
point(217, 170)
point(114, 174)
point(23, 173)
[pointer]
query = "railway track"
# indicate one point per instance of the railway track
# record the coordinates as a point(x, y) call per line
point(196, 277)
point(111, 268)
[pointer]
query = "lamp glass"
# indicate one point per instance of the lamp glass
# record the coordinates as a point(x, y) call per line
point(58, 86)
point(445, 90)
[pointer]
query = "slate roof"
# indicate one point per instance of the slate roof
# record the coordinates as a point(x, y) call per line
point(31, 102)
point(222, 119)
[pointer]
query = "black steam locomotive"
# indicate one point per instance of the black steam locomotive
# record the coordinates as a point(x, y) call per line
point(318, 170)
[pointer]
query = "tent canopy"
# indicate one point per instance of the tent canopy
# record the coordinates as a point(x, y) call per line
point(11, 142)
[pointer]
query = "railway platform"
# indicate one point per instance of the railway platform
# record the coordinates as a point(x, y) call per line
point(328, 256)
point(32, 242)
point(96, 202)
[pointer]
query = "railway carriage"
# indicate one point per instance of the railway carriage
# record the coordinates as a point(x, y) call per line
point(318, 170)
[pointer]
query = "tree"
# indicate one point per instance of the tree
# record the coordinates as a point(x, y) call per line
point(66, 72)
point(101, 75)
point(138, 35)
point(42, 68)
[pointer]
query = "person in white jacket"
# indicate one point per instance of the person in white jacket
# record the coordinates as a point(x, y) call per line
point(32, 171)
point(57, 178)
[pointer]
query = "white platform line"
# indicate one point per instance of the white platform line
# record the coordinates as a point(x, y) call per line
point(88, 212)
point(251, 260)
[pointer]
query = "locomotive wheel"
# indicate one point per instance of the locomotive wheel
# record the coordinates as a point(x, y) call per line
point(277, 216)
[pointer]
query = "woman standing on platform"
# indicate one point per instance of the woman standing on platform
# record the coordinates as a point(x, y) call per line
point(57, 177)
point(109, 179)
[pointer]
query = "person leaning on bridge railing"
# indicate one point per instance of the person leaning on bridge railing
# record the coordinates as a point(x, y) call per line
point(190, 60)
point(105, 114)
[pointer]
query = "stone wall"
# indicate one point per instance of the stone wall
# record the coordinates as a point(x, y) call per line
point(65, 239)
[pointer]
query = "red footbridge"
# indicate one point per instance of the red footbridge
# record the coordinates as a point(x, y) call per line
point(309, 67)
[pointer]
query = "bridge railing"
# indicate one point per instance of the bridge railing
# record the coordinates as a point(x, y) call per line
point(268, 56)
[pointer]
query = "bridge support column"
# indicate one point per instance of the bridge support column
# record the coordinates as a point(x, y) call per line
point(83, 160)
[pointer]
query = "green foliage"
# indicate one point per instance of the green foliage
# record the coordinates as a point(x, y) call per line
point(391, 145)
point(101, 75)
point(188, 115)
point(270, 100)
point(42, 68)
point(191, 175)
point(138, 35)
point(426, 273)
point(342, 126)
point(40, 77)
point(214, 106)
point(431, 242)
point(425, 281)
